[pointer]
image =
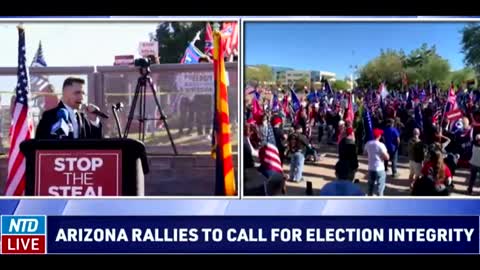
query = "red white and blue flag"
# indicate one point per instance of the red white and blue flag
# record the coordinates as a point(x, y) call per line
point(208, 40)
point(269, 156)
point(452, 99)
point(22, 125)
point(38, 82)
point(230, 36)
point(192, 55)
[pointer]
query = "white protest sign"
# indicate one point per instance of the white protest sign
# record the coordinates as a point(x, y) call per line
point(148, 48)
point(195, 82)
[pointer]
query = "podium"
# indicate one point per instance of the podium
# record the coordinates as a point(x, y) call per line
point(87, 167)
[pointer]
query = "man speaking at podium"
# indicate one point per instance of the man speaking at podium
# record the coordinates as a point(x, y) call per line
point(67, 117)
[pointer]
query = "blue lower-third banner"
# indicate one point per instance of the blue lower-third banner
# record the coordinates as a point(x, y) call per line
point(240, 234)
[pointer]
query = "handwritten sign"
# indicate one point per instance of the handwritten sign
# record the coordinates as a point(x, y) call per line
point(195, 82)
point(148, 48)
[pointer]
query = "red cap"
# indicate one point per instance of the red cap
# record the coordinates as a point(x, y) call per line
point(276, 120)
point(377, 133)
point(349, 131)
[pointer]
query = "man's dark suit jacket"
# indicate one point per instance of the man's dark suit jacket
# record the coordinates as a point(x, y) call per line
point(49, 118)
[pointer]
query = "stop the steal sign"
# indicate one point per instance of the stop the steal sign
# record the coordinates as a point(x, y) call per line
point(78, 173)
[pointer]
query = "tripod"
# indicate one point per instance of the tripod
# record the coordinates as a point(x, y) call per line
point(140, 94)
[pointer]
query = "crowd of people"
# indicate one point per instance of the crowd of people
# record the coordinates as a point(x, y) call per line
point(438, 131)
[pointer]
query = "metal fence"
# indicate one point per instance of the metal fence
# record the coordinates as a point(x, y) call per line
point(185, 93)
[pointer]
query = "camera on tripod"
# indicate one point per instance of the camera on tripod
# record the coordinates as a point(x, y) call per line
point(142, 62)
point(145, 82)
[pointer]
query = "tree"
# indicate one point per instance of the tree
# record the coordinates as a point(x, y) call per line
point(340, 85)
point(174, 37)
point(419, 56)
point(471, 46)
point(433, 68)
point(260, 73)
point(421, 65)
point(386, 67)
point(460, 77)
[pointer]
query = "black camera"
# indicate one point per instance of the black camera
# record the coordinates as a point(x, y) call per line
point(142, 62)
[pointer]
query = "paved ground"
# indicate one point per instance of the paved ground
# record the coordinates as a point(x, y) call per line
point(323, 171)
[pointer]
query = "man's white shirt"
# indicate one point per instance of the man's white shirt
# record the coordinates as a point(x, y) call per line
point(75, 125)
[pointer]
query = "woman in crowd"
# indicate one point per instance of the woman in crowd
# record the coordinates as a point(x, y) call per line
point(436, 176)
point(347, 154)
point(416, 154)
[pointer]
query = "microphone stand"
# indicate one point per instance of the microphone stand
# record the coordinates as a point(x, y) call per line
point(115, 108)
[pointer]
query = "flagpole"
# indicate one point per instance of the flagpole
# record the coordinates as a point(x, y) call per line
point(197, 37)
point(216, 26)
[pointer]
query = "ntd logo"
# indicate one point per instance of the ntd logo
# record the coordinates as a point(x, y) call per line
point(23, 234)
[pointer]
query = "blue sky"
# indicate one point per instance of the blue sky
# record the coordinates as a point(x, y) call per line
point(70, 44)
point(335, 46)
point(75, 44)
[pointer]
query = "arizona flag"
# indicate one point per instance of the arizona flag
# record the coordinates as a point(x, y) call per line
point(225, 179)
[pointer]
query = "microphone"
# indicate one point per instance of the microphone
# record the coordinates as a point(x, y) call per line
point(61, 127)
point(100, 113)
point(95, 110)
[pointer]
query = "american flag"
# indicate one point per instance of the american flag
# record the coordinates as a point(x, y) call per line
point(269, 155)
point(234, 39)
point(452, 98)
point(38, 83)
point(228, 29)
point(22, 125)
point(437, 115)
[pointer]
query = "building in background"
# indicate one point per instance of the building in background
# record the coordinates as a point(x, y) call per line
point(295, 76)
point(315, 76)
point(351, 81)
point(308, 76)
point(330, 76)
point(286, 76)
point(279, 73)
